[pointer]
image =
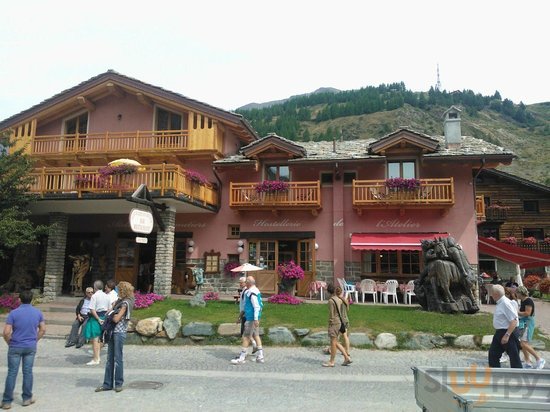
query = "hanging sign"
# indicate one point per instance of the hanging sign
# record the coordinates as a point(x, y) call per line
point(141, 239)
point(141, 221)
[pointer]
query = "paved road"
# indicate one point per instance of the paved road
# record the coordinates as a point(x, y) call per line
point(201, 378)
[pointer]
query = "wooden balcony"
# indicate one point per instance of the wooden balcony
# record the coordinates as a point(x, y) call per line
point(300, 196)
point(125, 144)
point(540, 246)
point(161, 180)
point(432, 193)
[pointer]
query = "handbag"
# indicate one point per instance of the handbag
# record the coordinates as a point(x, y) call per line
point(342, 324)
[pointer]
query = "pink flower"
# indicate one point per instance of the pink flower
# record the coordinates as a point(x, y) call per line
point(285, 299)
point(146, 300)
point(290, 270)
point(272, 186)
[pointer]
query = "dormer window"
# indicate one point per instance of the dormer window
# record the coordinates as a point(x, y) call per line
point(277, 173)
point(403, 169)
point(453, 115)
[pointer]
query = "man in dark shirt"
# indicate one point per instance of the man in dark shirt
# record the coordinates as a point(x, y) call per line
point(24, 327)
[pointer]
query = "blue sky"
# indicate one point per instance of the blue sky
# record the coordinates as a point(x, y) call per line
point(230, 53)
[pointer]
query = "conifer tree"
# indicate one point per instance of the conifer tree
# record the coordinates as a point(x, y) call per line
point(15, 227)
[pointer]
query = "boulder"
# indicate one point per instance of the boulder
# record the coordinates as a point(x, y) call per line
point(316, 339)
point(386, 341)
point(198, 329)
point(301, 332)
point(229, 329)
point(486, 340)
point(198, 300)
point(280, 335)
point(172, 323)
point(359, 339)
point(466, 342)
point(420, 341)
point(149, 326)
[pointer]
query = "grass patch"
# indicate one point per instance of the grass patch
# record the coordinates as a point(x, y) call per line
point(363, 318)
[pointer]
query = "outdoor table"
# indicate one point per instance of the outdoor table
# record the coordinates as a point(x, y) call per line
point(317, 287)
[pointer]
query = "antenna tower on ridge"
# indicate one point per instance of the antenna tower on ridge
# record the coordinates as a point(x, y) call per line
point(438, 84)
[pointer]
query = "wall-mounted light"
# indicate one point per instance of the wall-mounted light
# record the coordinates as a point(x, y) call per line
point(240, 243)
point(190, 249)
point(191, 242)
point(119, 116)
point(240, 249)
point(316, 246)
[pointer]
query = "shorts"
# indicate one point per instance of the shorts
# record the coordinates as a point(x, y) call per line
point(250, 330)
point(524, 335)
point(334, 330)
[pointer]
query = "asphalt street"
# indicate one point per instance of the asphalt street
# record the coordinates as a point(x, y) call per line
point(188, 378)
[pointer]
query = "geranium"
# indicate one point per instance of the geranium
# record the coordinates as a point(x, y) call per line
point(547, 240)
point(290, 270)
point(511, 240)
point(272, 186)
point(9, 301)
point(211, 296)
point(530, 240)
point(196, 177)
point(144, 300)
point(285, 299)
point(123, 169)
point(84, 181)
point(400, 183)
point(227, 269)
point(531, 281)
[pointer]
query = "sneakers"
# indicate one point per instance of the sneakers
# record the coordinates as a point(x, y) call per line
point(527, 365)
point(238, 361)
point(28, 402)
point(6, 406)
point(260, 359)
point(69, 344)
point(118, 389)
point(540, 364)
point(93, 362)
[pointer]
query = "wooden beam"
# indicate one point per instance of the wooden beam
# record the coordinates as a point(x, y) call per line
point(83, 101)
point(146, 101)
point(115, 90)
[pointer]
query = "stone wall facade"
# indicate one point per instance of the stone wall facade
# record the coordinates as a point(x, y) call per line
point(55, 255)
point(164, 256)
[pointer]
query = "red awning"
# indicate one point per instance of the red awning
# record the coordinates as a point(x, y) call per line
point(525, 258)
point(391, 241)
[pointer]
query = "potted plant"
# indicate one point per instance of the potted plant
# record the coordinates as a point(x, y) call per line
point(272, 186)
point(530, 240)
point(398, 183)
point(511, 240)
point(289, 273)
point(195, 177)
point(229, 266)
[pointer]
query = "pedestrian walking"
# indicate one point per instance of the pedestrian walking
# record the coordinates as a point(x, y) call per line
point(242, 317)
point(100, 303)
point(527, 327)
point(252, 312)
point(114, 368)
point(344, 307)
point(335, 326)
point(24, 328)
point(76, 336)
point(505, 322)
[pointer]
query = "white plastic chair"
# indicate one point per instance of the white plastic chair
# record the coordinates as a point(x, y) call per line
point(391, 290)
point(489, 289)
point(348, 287)
point(368, 287)
point(409, 292)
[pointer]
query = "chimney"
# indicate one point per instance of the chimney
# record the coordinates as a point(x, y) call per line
point(451, 126)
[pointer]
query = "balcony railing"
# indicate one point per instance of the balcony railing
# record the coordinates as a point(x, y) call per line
point(499, 214)
point(300, 196)
point(432, 193)
point(480, 208)
point(161, 180)
point(540, 246)
point(124, 142)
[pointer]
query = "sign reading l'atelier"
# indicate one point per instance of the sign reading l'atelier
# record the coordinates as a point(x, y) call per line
point(397, 223)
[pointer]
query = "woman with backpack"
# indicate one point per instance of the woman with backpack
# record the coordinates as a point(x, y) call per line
point(114, 368)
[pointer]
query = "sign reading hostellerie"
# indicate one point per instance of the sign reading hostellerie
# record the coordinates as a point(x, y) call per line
point(141, 221)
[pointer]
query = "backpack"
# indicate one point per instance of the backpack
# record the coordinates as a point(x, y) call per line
point(108, 326)
point(260, 302)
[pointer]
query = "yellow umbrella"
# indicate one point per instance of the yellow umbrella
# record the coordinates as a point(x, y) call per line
point(119, 162)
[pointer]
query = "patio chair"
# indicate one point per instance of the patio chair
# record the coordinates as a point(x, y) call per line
point(488, 289)
point(409, 292)
point(391, 290)
point(349, 288)
point(368, 287)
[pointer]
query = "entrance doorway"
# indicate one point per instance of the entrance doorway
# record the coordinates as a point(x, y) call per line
point(135, 262)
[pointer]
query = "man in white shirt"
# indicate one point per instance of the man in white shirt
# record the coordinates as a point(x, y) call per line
point(505, 322)
point(100, 303)
point(111, 292)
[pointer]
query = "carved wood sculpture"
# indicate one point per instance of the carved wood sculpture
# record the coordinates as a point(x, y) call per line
point(446, 283)
point(81, 266)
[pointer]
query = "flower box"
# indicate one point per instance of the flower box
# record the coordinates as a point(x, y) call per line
point(272, 186)
point(398, 183)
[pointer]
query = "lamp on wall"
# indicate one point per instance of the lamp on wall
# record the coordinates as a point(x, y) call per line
point(316, 246)
point(190, 243)
point(240, 245)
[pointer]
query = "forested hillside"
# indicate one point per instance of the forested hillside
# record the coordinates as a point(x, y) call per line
point(372, 112)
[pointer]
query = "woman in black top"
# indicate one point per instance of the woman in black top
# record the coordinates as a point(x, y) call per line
point(527, 326)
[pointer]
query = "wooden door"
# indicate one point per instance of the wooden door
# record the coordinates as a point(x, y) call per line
point(126, 261)
point(306, 259)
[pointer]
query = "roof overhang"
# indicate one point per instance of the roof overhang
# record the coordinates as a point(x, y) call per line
point(391, 241)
